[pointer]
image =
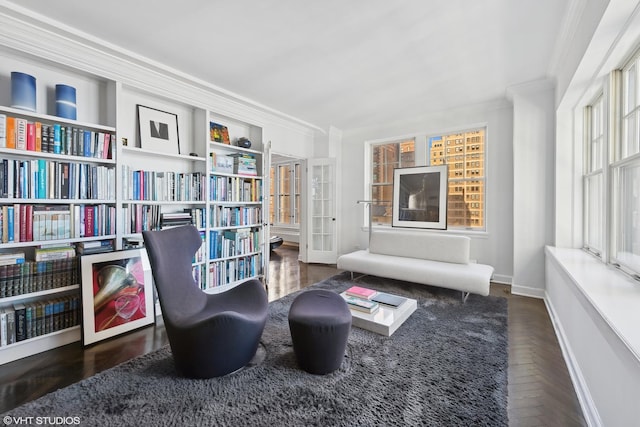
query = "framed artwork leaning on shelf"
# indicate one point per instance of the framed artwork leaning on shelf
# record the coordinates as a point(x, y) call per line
point(117, 294)
point(420, 197)
point(158, 130)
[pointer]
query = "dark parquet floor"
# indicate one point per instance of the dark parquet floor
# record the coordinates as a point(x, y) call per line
point(540, 390)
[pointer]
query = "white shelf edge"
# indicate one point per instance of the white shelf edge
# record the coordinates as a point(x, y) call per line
point(137, 150)
point(6, 200)
point(55, 119)
point(163, 202)
point(55, 242)
point(15, 152)
point(32, 346)
point(22, 297)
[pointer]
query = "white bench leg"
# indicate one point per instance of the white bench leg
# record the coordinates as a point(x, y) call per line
point(465, 295)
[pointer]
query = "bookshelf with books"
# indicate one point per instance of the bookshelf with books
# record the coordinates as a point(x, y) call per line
point(236, 204)
point(160, 188)
point(57, 191)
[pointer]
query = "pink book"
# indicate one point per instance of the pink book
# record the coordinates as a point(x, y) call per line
point(360, 292)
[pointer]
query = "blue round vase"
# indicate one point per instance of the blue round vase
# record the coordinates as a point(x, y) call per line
point(66, 102)
point(23, 91)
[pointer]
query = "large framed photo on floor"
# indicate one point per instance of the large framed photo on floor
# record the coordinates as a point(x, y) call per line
point(117, 294)
point(420, 197)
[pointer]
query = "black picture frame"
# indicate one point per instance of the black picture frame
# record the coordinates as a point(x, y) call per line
point(158, 130)
point(420, 197)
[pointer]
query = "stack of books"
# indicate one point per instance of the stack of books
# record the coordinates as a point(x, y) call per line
point(175, 219)
point(359, 298)
point(94, 247)
point(49, 253)
point(245, 164)
point(12, 258)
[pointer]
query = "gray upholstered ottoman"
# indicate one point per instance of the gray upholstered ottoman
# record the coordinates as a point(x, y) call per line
point(319, 322)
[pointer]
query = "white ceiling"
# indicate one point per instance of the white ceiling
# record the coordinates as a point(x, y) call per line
point(346, 63)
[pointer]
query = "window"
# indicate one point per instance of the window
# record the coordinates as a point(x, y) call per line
point(385, 157)
point(594, 177)
point(625, 171)
point(466, 176)
point(284, 206)
point(611, 177)
point(463, 152)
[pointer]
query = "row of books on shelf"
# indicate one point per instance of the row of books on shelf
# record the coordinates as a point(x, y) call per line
point(239, 164)
point(227, 243)
point(201, 253)
point(163, 186)
point(235, 189)
point(35, 276)
point(21, 322)
point(233, 216)
point(139, 218)
point(232, 270)
point(22, 134)
point(34, 222)
point(49, 179)
point(369, 300)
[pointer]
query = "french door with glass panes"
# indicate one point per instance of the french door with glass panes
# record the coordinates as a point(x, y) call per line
point(321, 186)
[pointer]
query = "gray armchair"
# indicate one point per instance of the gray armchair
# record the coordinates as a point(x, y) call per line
point(210, 334)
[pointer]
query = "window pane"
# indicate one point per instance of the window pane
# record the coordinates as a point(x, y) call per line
point(284, 199)
point(385, 158)
point(272, 180)
point(463, 153)
point(594, 212)
point(630, 138)
point(628, 214)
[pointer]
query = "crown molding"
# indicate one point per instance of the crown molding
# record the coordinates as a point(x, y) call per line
point(31, 34)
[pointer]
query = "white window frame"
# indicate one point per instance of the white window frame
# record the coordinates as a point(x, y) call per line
point(422, 158)
point(594, 227)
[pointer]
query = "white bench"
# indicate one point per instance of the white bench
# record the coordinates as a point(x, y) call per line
point(422, 257)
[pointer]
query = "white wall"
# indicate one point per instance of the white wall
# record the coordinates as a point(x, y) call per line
point(494, 247)
point(605, 373)
point(533, 180)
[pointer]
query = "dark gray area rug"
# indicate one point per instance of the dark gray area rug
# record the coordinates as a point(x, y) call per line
point(446, 366)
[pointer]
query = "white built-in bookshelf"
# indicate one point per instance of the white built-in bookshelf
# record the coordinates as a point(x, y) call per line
point(125, 185)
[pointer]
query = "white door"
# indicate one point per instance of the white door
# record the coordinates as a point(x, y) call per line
point(321, 231)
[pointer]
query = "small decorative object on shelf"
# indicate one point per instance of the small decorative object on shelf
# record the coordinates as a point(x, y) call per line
point(243, 142)
point(66, 101)
point(23, 91)
point(219, 133)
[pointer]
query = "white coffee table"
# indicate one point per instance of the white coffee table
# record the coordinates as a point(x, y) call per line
point(386, 320)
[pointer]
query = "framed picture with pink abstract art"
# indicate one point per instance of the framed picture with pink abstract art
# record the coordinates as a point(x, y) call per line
point(117, 294)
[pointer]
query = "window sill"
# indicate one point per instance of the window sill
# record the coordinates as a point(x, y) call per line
point(613, 294)
point(471, 233)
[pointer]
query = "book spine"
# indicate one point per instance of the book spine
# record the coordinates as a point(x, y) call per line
point(38, 146)
point(31, 136)
point(21, 134)
point(57, 141)
point(20, 322)
point(3, 130)
point(11, 132)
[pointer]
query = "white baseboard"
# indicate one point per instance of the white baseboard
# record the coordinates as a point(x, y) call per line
point(589, 410)
point(502, 279)
point(526, 291)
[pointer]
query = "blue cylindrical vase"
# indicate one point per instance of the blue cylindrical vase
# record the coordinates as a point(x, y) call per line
point(23, 91)
point(66, 102)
